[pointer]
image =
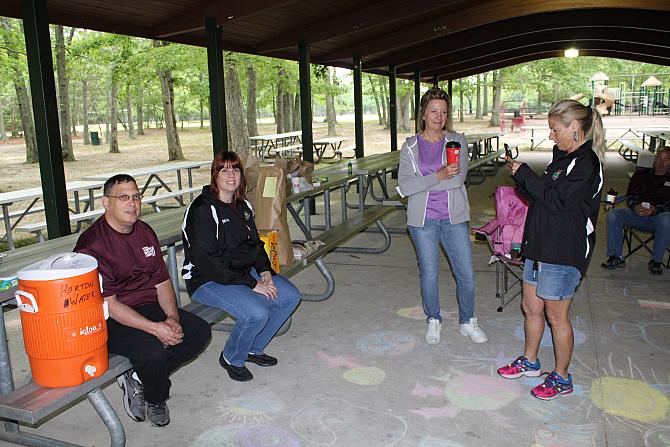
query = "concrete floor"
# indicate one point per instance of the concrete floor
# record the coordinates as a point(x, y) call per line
point(355, 370)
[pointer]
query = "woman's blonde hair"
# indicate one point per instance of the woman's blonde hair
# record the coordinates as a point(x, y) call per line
point(439, 94)
point(589, 122)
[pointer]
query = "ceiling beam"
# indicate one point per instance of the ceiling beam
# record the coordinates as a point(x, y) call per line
point(566, 38)
point(531, 28)
point(455, 70)
point(222, 10)
point(481, 13)
point(363, 19)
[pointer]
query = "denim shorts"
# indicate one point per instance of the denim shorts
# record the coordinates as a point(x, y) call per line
point(554, 282)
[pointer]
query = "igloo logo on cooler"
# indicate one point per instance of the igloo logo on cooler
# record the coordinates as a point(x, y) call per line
point(88, 330)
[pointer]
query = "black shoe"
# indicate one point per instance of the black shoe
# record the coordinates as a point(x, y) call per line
point(655, 268)
point(158, 414)
point(262, 359)
point(613, 262)
point(238, 373)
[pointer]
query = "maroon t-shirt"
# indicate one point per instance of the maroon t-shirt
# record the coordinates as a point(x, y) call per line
point(131, 264)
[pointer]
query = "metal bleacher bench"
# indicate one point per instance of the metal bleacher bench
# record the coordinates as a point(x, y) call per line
point(31, 403)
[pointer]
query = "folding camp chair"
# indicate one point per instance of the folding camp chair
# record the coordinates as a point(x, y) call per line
point(500, 233)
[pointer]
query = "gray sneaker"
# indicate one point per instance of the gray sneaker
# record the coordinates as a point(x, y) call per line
point(133, 396)
point(158, 414)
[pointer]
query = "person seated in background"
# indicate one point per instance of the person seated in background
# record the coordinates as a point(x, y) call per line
point(144, 322)
point(648, 200)
point(226, 266)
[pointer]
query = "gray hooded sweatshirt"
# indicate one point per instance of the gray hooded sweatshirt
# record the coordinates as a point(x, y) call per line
point(415, 186)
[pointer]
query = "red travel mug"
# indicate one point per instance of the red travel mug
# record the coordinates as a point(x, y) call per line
point(453, 152)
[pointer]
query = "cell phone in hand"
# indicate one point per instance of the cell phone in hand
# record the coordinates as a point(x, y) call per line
point(508, 152)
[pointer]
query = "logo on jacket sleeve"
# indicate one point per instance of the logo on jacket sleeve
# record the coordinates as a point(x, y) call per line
point(247, 215)
point(149, 251)
point(556, 174)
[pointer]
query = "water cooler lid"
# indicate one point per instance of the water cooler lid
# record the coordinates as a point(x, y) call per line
point(60, 266)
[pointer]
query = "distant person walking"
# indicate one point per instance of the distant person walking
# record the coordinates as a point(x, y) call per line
point(558, 239)
point(438, 212)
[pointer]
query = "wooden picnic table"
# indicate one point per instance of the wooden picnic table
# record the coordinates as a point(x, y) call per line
point(264, 143)
point(154, 173)
point(321, 144)
point(657, 138)
point(34, 195)
point(483, 140)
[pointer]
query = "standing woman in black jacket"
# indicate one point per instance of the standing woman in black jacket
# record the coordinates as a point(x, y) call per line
point(225, 265)
point(559, 238)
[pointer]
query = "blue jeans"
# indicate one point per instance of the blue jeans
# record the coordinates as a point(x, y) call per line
point(619, 218)
point(554, 282)
point(456, 242)
point(257, 318)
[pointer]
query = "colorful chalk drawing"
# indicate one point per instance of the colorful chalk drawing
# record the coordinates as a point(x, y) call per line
point(466, 392)
point(654, 304)
point(632, 399)
point(356, 374)
point(386, 343)
point(255, 407)
point(238, 435)
point(328, 422)
point(566, 435)
point(416, 313)
point(654, 334)
point(657, 437)
point(370, 375)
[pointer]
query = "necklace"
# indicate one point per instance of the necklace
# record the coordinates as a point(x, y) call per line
point(432, 139)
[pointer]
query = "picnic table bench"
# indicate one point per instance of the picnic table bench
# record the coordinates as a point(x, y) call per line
point(629, 150)
point(32, 403)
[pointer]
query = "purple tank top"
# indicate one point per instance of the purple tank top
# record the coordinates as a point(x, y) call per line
point(430, 160)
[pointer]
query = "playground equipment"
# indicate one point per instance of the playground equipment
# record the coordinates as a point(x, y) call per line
point(602, 101)
point(518, 116)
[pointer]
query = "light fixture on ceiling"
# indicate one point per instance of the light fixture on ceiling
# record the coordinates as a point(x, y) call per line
point(571, 52)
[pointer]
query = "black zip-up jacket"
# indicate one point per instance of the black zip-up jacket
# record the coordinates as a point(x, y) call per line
point(563, 208)
point(221, 244)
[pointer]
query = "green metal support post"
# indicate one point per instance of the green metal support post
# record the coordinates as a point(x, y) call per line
point(417, 100)
point(393, 110)
point(305, 101)
point(45, 112)
point(217, 97)
point(358, 106)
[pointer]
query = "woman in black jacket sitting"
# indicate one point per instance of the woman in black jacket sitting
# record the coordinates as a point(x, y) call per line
point(226, 266)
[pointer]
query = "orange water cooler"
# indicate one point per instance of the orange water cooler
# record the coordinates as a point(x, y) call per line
point(63, 319)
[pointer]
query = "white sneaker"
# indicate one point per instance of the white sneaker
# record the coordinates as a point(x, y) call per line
point(473, 330)
point(433, 333)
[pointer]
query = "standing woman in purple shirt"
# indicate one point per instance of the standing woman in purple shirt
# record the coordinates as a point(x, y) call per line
point(438, 212)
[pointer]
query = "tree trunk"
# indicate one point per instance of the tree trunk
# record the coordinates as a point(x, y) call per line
point(140, 112)
point(288, 111)
point(404, 112)
point(252, 124)
point(279, 105)
point(63, 97)
point(385, 105)
point(297, 123)
point(478, 108)
point(330, 104)
point(497, 98)
point(73, 114)
point(22, 98)
point(539, 102)
point(238, 135)
point(129, 108)
point(171, 133)
point(375, 95)
point(3, 132)
point(460, 101)
point(84, 112)
point(485, 106)
point(113, 132)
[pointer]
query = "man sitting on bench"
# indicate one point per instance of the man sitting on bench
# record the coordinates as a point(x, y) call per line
point(648, 199)
point(145, 323)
